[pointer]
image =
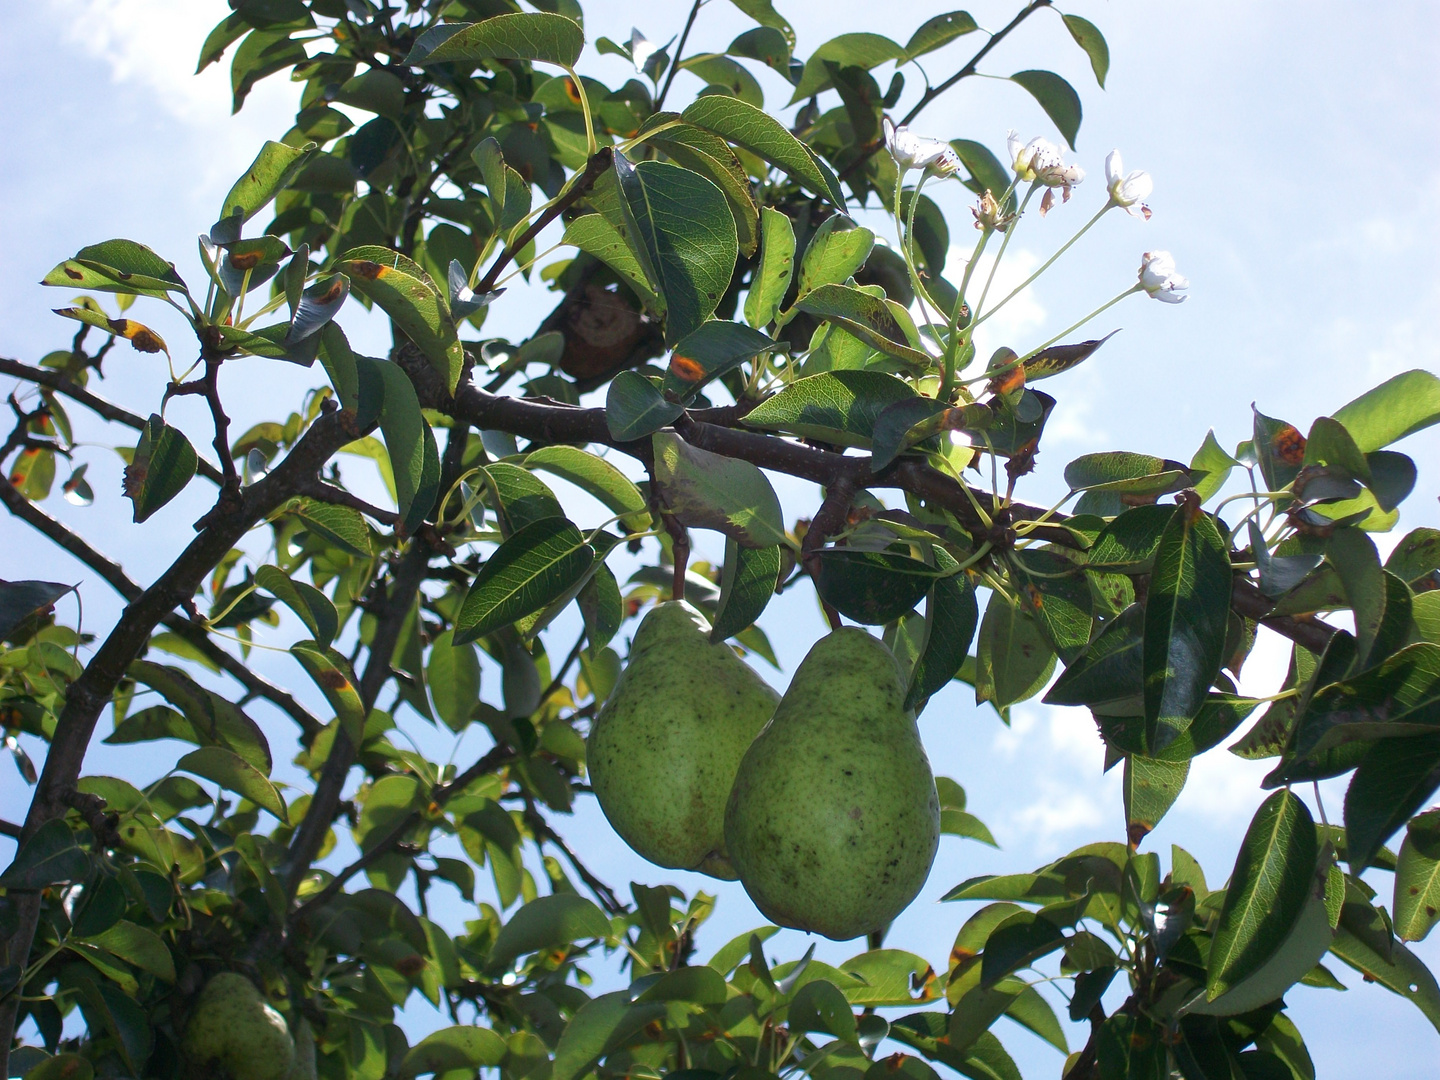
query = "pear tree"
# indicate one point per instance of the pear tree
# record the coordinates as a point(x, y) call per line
point(742, 290)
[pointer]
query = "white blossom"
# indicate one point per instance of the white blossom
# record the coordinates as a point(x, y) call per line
point(1040, 161)
point(1159, 279)
point(912, 151)
point(1127, 192)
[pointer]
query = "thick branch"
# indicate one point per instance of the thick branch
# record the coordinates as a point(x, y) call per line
point(1305, 630)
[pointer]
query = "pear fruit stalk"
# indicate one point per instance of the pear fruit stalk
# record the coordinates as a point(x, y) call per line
point(663, 750)
point(833, 821)
point(233, 1028)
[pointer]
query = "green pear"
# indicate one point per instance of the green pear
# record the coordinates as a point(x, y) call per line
point(232, 1027)
point(833, 821)
point(663, 751)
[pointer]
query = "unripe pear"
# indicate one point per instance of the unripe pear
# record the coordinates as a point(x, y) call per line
point(663, 751)
point(232, 1027)
point(833, 821)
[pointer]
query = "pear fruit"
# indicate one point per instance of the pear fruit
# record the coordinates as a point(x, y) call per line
point(833, 820)
point(664, 748)
point(233, 1028)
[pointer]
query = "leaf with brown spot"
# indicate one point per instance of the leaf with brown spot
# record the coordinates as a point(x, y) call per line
point(138, 334)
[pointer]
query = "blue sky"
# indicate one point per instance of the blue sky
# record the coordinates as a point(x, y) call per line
point(1296, 156)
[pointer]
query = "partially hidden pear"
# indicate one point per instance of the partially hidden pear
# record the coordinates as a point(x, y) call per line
point(233, 1028)
point(664, 748)
point(833, 820)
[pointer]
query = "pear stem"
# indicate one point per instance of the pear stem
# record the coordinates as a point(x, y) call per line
point(829, 518)
point(680, 554)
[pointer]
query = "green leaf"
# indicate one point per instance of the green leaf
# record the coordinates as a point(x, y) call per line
point(1267, 891)
point(1363, 941)
point(1417, 878)
point(1017, 943)
point(864, 51)
point(1150, 788)
point(406, 293)
point(60, 1067)
point(986, 171)
point(764, 13)
point(464, 1048)
point(1381, 601)
point(234, 773)
point(342, 526)
point(453, 676)
point(547, 923)
point(1396, 408)
point(139, 946)
point(21, 599)
point(49, 857)
point(271, 171)
point(118, 266)
point(709, 155)
point(1131, 1047)
point(597, 477)
point(406, 441)
point(163, 463)
point(331, 672)
point(1217, 719)
point(518, 496)
point(593, 234)
point(755, 130)
point(710, 491)
point(820, 1006)
point(602, 608)
point(535, 36)
point(1108, 670)
point(951, 615)
point(708, 352)
point(872, 587)
point(837, 249)
point(209, 719)
point(535, 566)
point(635, 408)
point(748, 580)
point(601, 1024)
point(701, 985)
point(960, 823)
point(941, 30)
point(138, 334)
point(873, 320)
point(684, 226)
point(1013, 659)
point(1056, 593)
point(1057, 97)
point(1093, 42)
point(1185, 623)
point(1211, 460)
point(1280, 449)
point(310, 605)
point(770, 280)
point(909, 422)
point(1394, 779)
point(1137, 478)
point(835, 406)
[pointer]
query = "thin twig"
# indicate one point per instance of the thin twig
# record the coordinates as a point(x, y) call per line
point(679, 50)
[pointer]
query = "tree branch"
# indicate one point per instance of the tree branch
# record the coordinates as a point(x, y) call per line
point(87, 696)
point(580, 185)
point(116, 578)
point(679, 49)
point(53, 380)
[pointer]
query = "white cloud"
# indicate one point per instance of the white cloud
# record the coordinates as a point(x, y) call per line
point(154, 44)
